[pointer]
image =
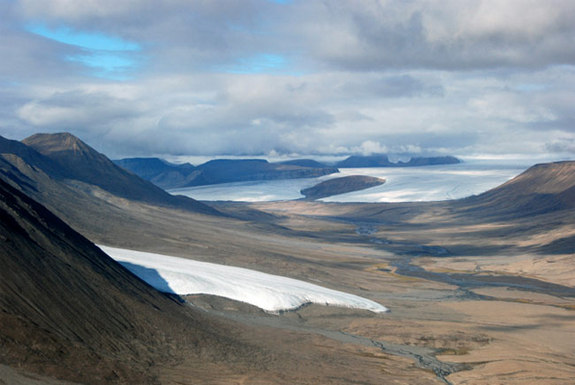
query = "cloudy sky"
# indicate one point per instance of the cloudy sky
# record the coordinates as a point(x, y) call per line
point(249, 77)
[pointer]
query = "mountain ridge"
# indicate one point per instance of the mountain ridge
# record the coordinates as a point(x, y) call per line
point(542, 188)
point(171, 176)
point(66, 157)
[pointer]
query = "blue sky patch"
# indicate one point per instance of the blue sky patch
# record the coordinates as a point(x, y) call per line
point(105, 65)
point(87, 40)
point(107, 56)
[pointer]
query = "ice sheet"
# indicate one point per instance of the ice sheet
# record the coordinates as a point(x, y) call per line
point(430, 183)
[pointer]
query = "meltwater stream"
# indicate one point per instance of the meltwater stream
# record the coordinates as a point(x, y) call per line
point(468, 281)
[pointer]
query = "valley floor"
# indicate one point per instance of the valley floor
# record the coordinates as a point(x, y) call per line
point(471, 302)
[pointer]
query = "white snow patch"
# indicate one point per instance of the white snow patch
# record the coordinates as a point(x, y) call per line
point(271, 293)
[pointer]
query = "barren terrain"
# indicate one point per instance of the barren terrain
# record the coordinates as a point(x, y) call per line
point(470, 302)
point(480, 290)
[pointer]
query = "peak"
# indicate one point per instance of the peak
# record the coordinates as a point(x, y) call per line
point(76, 160)
point(57, 143)
point(56, 137)
point(53, 135)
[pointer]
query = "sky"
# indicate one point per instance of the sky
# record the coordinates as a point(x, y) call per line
point(292, 77)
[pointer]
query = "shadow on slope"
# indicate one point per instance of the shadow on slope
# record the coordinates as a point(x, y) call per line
point(69, 311)
point(151, 276)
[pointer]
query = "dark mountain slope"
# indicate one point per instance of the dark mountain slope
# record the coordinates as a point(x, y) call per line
point(76, 203)
point(75, 160)
point(540, 189)
point(14, 149)
point(67, 310)
point(91, 210)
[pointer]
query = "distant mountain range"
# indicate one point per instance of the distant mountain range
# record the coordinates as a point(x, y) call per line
point(357, 161)
point(171, 176)
point(160, 172)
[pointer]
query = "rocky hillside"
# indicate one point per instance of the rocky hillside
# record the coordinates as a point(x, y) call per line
point(69, 311)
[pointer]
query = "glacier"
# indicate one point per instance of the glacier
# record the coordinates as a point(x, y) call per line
point(404, 184)
point(272, 293)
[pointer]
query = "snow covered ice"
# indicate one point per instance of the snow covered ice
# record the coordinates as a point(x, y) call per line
point(269, 292)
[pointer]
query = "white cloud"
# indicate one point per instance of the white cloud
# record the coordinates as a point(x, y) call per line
point(362, 76)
